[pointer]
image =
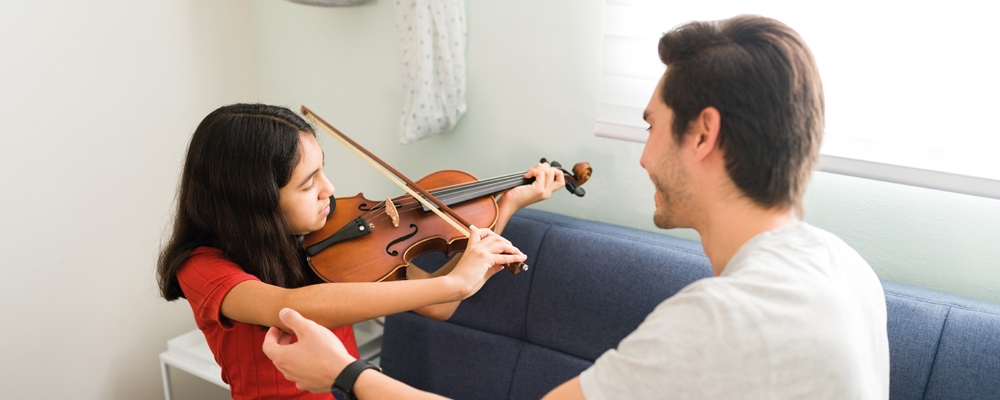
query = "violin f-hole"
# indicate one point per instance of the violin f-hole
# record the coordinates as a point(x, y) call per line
point(400, 239)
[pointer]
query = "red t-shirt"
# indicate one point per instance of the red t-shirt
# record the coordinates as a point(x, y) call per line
point(206, 278)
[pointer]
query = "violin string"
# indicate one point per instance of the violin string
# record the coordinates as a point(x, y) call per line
point(479, 187)
point(473, 190)
point(476, 189)
point(453, 191)
point(473, 185)
point(378, 213)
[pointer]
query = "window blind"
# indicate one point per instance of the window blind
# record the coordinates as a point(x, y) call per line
point(910, 92)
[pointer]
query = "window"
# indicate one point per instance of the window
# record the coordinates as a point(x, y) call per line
point(910, 88)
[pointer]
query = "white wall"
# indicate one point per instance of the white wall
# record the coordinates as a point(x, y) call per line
point(534, 74)
point(97, 102)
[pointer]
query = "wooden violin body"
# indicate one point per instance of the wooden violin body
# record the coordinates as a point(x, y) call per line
point(361, 242)
point(385, 250)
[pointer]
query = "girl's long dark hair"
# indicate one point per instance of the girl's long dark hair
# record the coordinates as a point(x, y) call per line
point(239, 157)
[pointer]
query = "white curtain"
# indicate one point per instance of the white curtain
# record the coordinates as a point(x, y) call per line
point(432, 39)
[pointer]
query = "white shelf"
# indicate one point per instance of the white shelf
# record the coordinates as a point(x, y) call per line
point(189, 352)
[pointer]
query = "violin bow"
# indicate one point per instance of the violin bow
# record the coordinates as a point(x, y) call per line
point(409, 186)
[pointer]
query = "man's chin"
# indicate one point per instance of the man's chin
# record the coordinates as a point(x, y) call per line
point(662, 221)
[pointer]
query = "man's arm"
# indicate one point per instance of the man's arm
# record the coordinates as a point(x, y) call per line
point(569, 390)
point(372, 384)
point(317, 357)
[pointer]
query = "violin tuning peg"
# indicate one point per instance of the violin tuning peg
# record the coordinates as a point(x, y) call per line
point(571, 187)
point(576, 190)
point(552, 163)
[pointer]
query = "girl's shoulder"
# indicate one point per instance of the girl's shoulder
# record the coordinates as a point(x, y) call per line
point(209, 262)
point(207, 252)
point(208, 273)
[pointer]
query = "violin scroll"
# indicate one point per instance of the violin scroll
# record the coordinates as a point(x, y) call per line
point(579, 176)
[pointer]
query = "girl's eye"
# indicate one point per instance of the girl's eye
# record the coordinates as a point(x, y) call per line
point(312, 185)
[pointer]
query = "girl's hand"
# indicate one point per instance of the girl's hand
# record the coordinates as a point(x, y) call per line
point(485, 254)
point(548, 179)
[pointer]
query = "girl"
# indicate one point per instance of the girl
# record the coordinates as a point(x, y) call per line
point(252, 182)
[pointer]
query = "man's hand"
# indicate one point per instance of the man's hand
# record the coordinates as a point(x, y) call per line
point(314, 360)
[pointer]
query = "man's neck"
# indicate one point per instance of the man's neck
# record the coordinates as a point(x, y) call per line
point(727, 228)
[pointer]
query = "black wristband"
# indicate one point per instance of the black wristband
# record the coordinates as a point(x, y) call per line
point(343, 386)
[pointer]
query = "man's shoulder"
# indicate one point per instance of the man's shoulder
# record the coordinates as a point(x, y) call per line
point(801, 234)
point(800, 244)
point(702, 301)
point(798, 265)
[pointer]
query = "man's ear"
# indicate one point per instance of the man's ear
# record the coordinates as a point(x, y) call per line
point(705, 128)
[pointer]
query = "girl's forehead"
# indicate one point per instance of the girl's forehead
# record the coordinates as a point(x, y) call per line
point(308, 143)
point(310, 154)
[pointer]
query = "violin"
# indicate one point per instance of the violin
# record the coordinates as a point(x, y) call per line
point(365, 240)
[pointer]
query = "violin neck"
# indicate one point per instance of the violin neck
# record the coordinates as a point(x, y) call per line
point(488, 187)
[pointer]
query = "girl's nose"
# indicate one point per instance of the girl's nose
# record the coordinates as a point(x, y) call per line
point(327, 188)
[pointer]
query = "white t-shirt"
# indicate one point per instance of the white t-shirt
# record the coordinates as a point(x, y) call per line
point(796, 314)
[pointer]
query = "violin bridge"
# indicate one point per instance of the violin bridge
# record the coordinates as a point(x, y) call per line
point(391, 210)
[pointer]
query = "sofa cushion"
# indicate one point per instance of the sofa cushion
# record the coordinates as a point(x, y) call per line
point(532, 331)
point(451, 360)
point(968, 362)
point(914, 329)
point(941, 346)
point(591, 296)
point(590, 284)
point(539, 370)
point(499, 306)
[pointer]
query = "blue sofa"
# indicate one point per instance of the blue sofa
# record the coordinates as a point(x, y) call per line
point(590, 284)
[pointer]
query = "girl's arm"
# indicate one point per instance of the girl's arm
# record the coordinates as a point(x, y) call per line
point(442, 311)
point(433, 295)
point(340, 304)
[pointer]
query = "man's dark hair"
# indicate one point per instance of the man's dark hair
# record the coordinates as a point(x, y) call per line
point(763, 79)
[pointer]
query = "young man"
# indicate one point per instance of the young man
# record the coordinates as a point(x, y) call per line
point(792, 312)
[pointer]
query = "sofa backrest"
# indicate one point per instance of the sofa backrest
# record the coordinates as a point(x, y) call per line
point(941, 346)
point(590, 284)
